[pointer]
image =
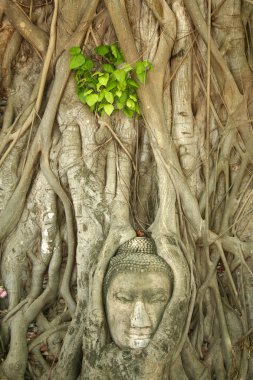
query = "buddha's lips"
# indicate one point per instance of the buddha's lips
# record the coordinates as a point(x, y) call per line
point(139, 335)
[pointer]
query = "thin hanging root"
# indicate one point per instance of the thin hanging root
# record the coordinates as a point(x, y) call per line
point(31, 10)
point(27, 146)
point(207, 142)
point(245, 345)
point(170, 79)
point(244, 199)
point(217, 8)
point(14, 137)
point(206, 284)
point(187, 323)
point(226, 341)
point(90, 32)
point(228, 272)
point(103, 123)
point(9, 127)
point(200, 334)
point(215, 114)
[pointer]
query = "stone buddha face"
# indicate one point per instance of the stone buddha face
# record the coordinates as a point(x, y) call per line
point(137, 292)
point(135, 304)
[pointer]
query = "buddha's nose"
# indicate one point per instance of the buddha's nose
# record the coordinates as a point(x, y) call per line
point(139, 316)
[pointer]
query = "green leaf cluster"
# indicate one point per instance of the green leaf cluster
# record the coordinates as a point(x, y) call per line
point(105, 83)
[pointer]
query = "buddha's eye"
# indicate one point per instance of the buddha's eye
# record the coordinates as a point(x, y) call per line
point(159, 298)
point(124, 298)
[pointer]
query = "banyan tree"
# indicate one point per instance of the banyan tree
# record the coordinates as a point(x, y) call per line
point(123, 119)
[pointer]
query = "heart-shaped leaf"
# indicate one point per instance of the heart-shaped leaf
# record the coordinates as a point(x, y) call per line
point(108, 108)
point(91, 99)
point(109, 97)
point(76, 61)
point(75, 50)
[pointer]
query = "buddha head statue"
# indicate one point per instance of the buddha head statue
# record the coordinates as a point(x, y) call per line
point(137, 288)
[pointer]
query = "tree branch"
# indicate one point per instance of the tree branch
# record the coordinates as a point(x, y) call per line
point(225, 79)
point(154, 117)
point(13, 210)
point(30, 32)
